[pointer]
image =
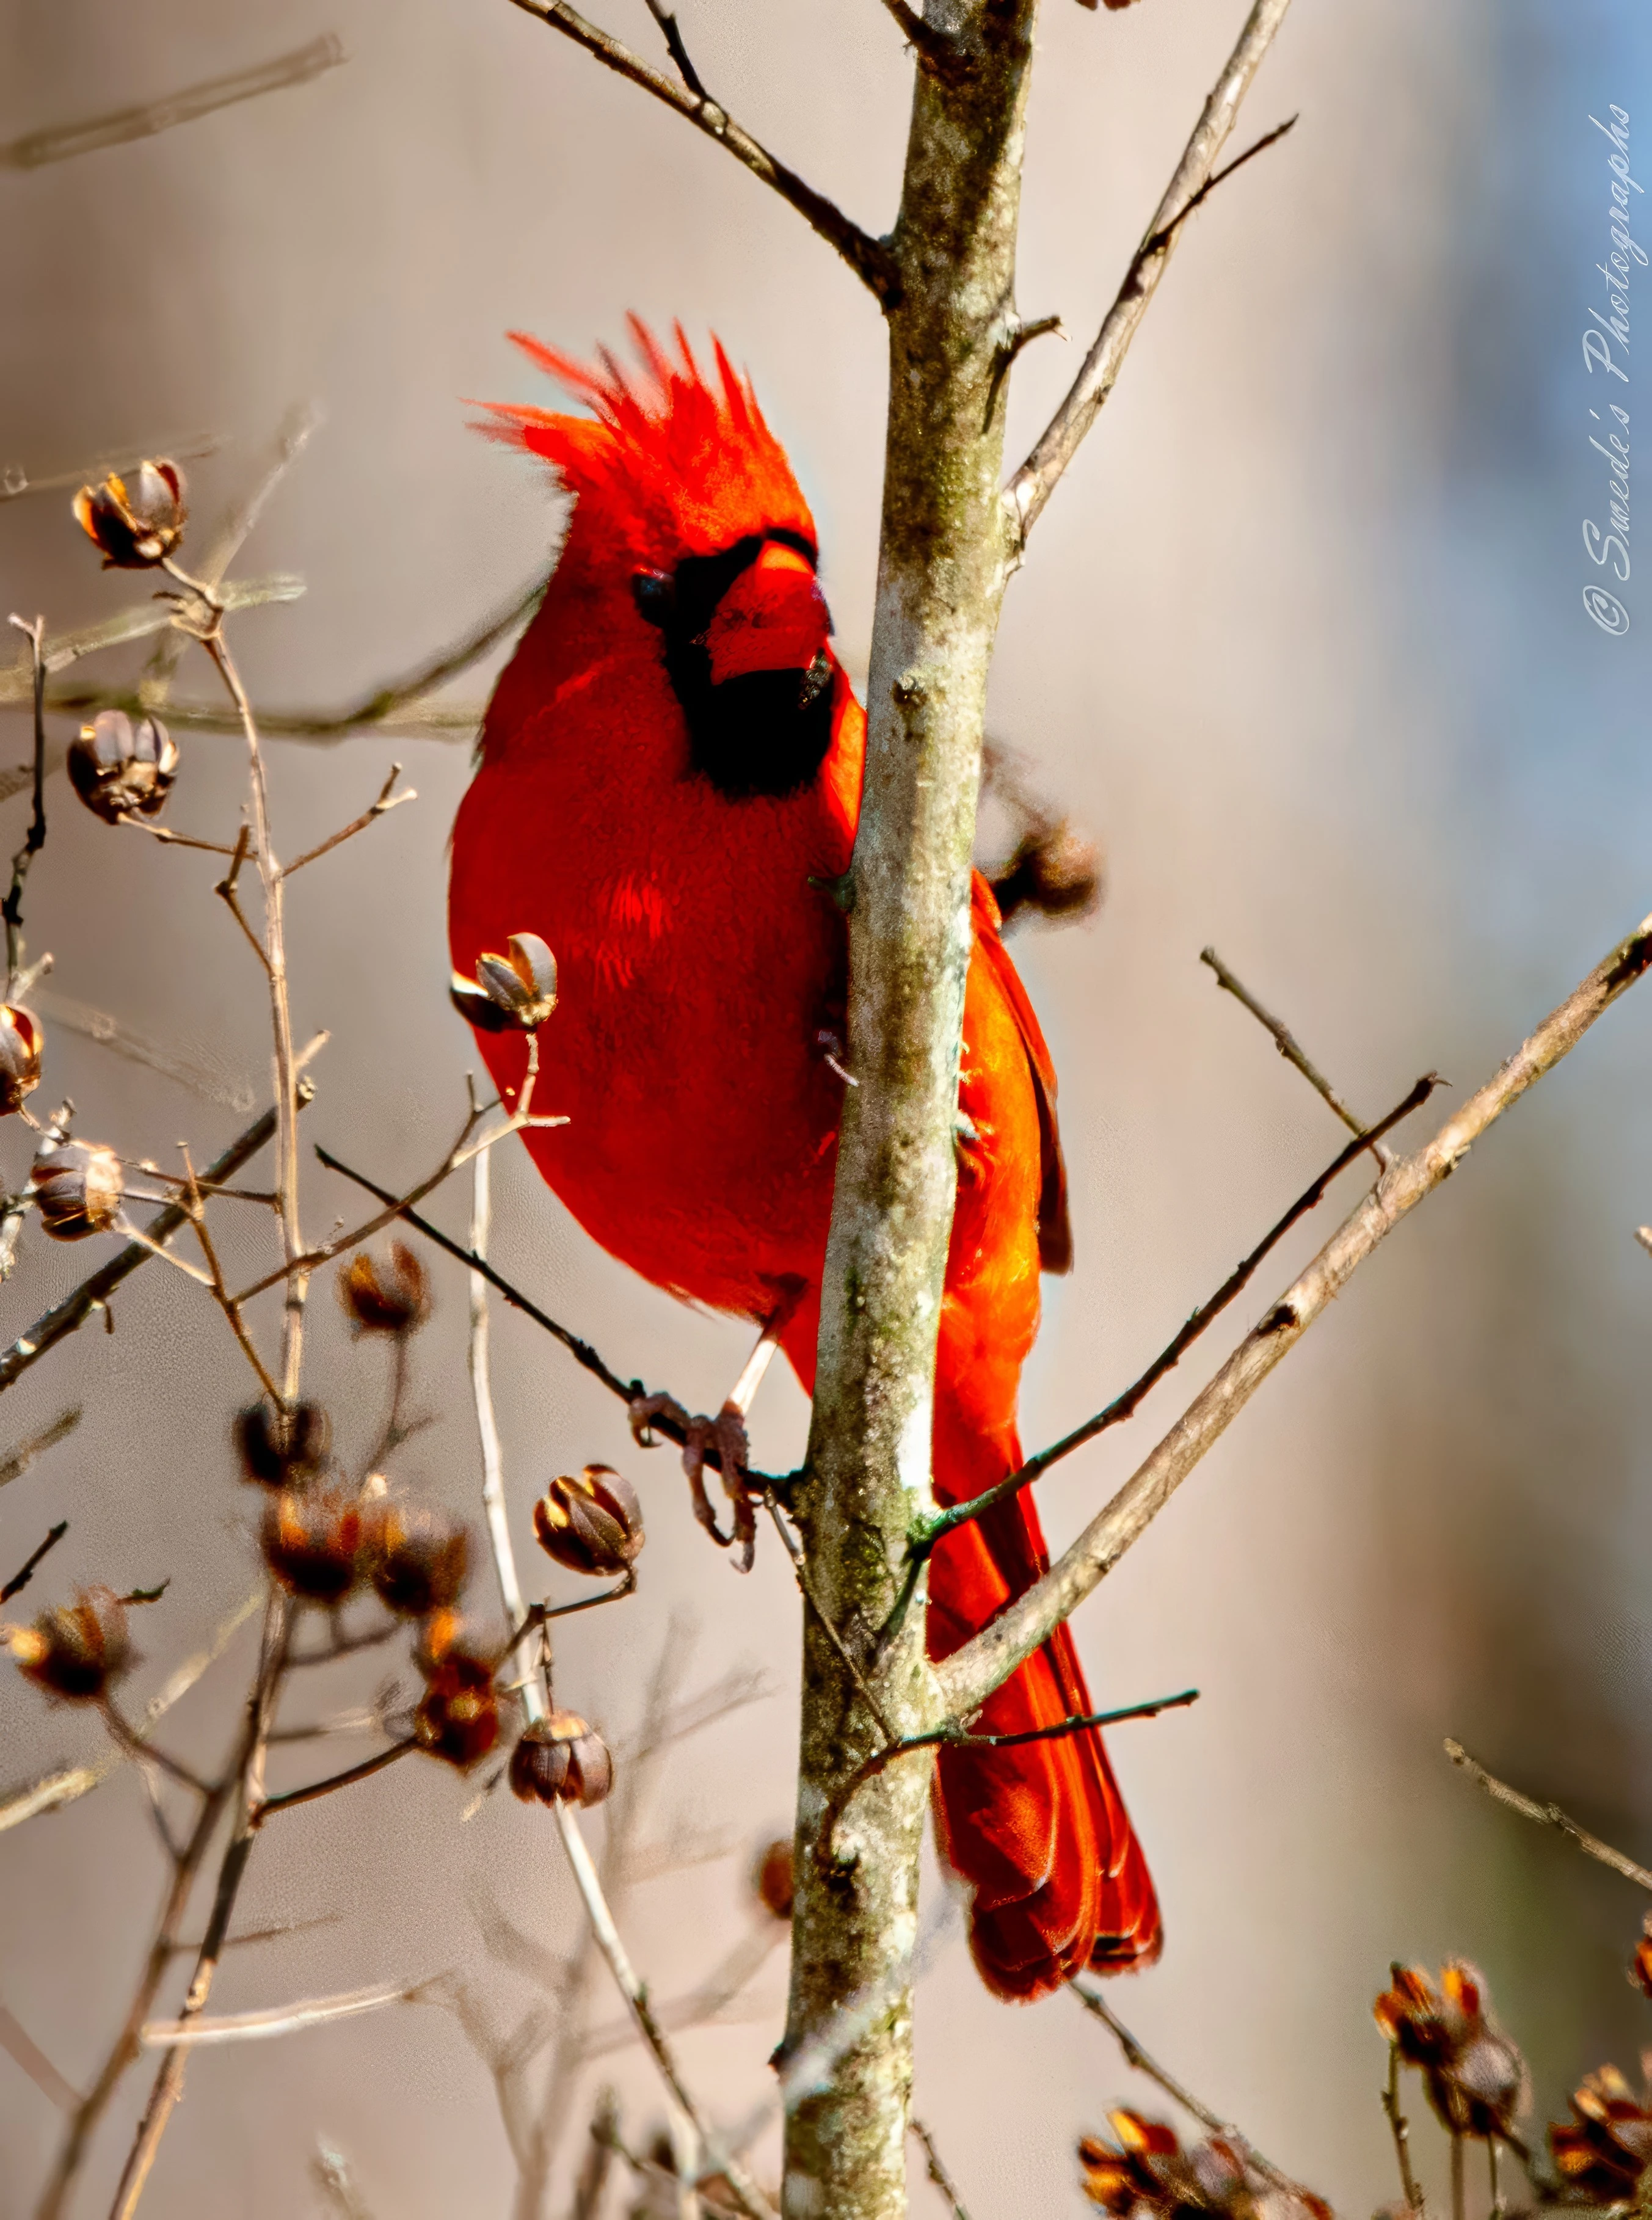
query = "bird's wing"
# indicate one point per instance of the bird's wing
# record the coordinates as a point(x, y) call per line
point(1054, 1229)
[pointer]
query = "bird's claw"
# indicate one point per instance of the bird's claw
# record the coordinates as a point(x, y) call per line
point(726, 1435)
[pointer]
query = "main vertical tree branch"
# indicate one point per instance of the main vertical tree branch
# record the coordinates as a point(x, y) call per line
point(943, 561)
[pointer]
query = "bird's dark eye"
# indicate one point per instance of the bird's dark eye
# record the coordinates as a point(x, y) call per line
point(655, 594)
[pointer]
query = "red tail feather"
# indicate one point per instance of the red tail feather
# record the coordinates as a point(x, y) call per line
point(1039, 1832)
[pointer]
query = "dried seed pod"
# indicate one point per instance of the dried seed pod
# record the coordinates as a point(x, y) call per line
point(1602, 2153)
point(119, 768)
point(458, 1718)
point(1055, 873)
point(282, 1449)
point(1475, 2077)
point(774, 1880)
point(512, 993)
point(312, 1543)
point(1640, 1966)
point(135, 521)
point(1143, 2172)
point(590, 1523)
point(416, 1559)
point(75, 1651)
point(77, 1188)
point(20, 1043)
point(387, 1297)
point(561, 1760)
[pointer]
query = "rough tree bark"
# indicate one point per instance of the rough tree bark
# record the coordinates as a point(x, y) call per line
point(946, 558)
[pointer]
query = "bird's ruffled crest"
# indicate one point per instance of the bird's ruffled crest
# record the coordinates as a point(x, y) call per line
point(672, 464)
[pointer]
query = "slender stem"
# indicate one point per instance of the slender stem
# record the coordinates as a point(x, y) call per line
point(628, 1391)
point(1125, 1406)
point(25, 1573)
point(246, 1784)
point(275, 954)
point(747, 2195)
point(1098, 2007)
point(1038, 478)
point(387, 799)
point(533, 1693)
point(1548, 1815)
point(347, 1779)
point(1400, 2128)
point(34, 839)
point(870, 259)
point(1292, 1051)
point(938, 2174)
point(124, 2051)
point(952, 1736)
point(93, 1295)
point(971, 1674)
point(673, 36)
point(1459, 2199)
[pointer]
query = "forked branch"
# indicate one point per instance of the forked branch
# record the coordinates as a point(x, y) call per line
point(868, 258)
point(1195, 175)
point(968, 1677)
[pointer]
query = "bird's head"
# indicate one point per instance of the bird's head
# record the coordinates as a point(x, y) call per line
point(687, 516)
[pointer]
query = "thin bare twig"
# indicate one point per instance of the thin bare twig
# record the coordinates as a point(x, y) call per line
point(25, 1573)
point(34, 839)
point(281, 2019)
point(146, 618)
point(347, 1779)
point(1125, 1406)
point(93, 1295)
point(1399, 2128)
point(13, 1466)
point(1097, 2005)
point(937, 53)
point(1548, 1815)
point(64, 141)
point(182, 447)
point(20, 2046)
point(952, 1735)
point(1037, 479)
point(1292, 1051)
point(387, 799)
point(628, 1391)
point(868, 258)
point(938, 2174)
point(672, 34)
point(971, 1675)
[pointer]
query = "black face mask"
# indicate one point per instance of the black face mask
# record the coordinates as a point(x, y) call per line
point(766, 731)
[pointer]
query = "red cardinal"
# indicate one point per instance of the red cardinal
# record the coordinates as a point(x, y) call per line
point(670, 779)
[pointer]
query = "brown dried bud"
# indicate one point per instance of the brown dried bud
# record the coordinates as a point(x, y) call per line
point(1145, 2172)
point(1603, 2152)
point(119, 768)
point(1055, 873)
point(312, 1543)
point(20, 1043)
point(135, 521)
point(512, 992)
point(390, 1297)
point(774, 1880)
point(441, 1633)
point(561, 1760)
point(280, 1449)
point(1475, 2077)
point(457, 1719)
point(77, 1188)
point(75, 1651)
point(1640, 1966)
point(590, 1523)
point(416, 1559)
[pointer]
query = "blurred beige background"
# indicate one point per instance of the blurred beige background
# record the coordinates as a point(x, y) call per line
point(1300, 639)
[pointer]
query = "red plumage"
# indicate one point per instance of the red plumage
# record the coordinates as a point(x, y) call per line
point(671, 770)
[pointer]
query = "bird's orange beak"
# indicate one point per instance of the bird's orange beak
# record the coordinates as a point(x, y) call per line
point(774, 617)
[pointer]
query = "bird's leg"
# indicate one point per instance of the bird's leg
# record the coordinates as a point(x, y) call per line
point(726, 1434)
